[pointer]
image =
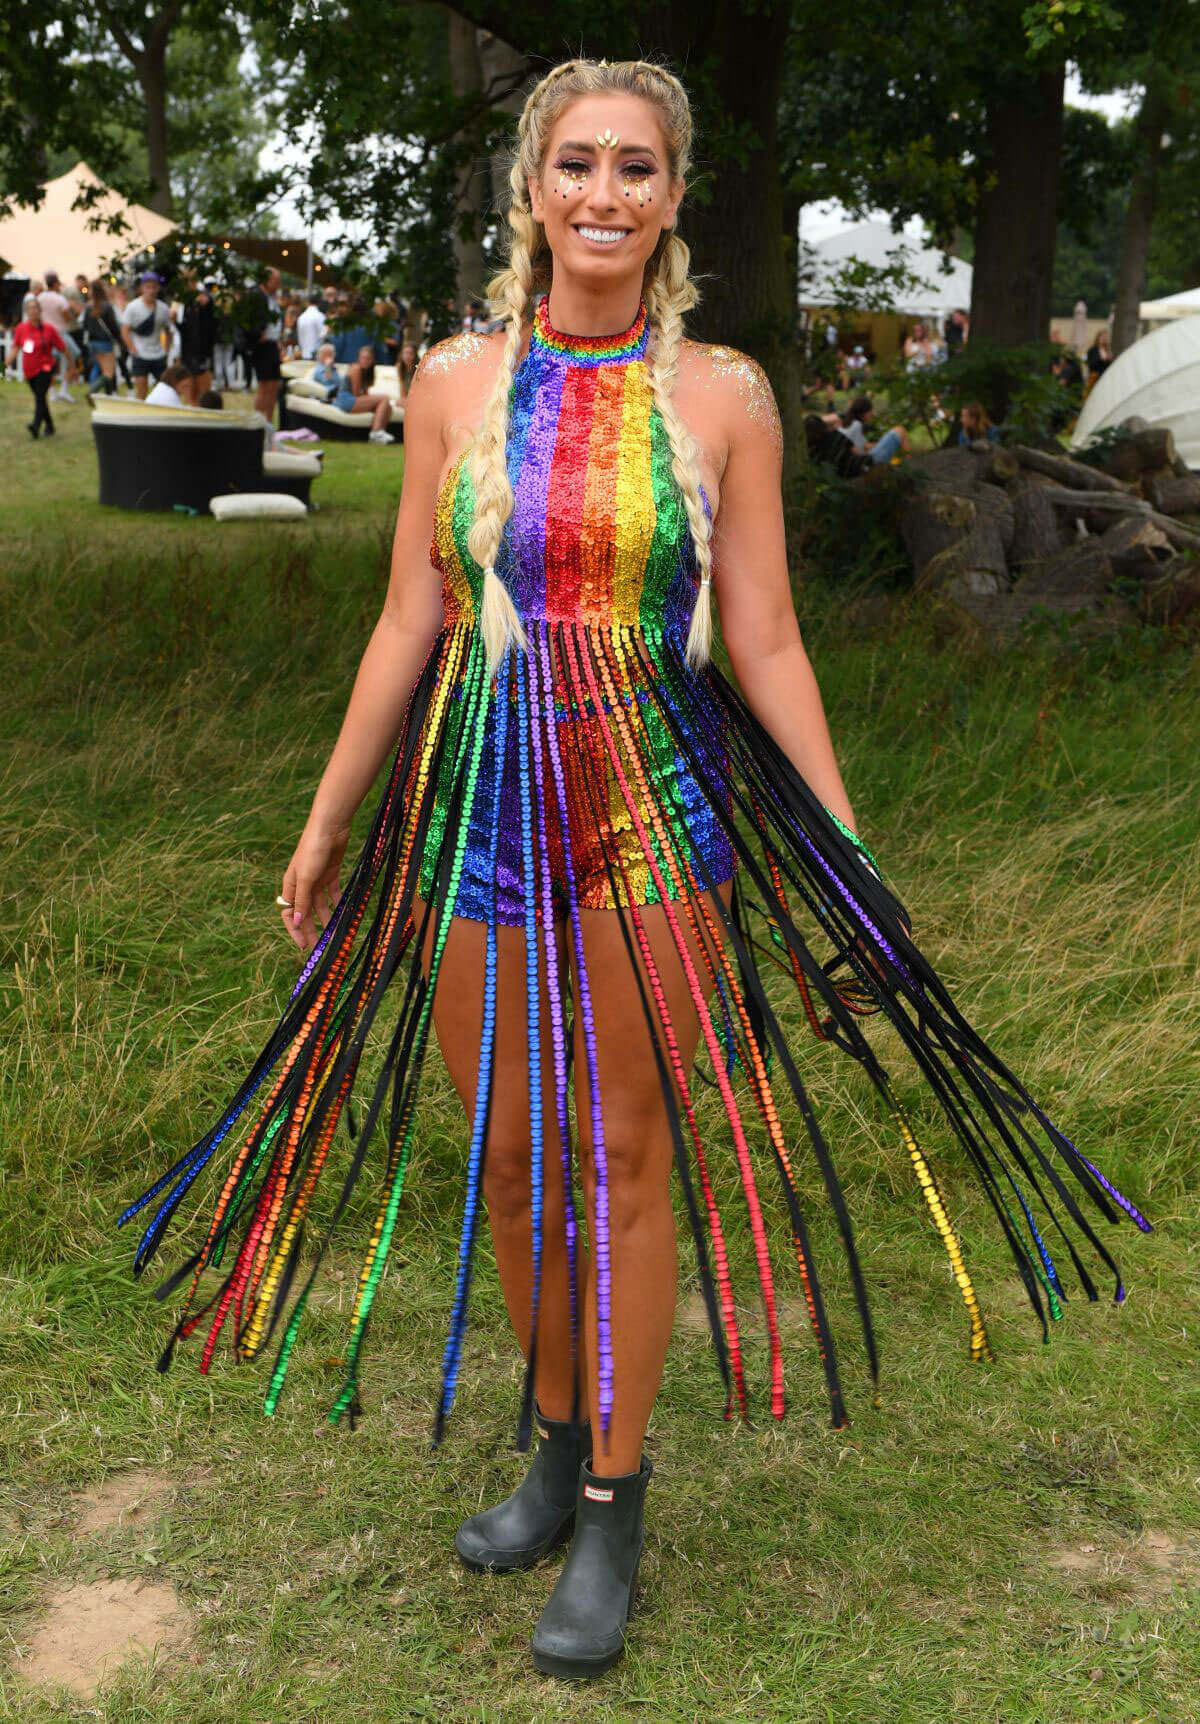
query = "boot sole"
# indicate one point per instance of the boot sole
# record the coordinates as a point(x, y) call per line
point(523, 1559)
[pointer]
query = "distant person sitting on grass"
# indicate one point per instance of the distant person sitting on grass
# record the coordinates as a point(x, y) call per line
point(975, 426)
point(858, 415)
point(355, 396)
point(166, 391)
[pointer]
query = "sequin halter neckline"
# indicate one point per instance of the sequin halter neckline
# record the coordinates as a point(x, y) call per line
point(590, 349)
point(598, 532)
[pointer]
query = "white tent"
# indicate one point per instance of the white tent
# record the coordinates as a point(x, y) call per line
point(873, 242)
point(56, 235)
point(1174, 305)
point(1158, 378)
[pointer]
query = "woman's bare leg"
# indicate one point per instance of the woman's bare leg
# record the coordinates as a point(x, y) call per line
point(638, 1152)
point(458, 1021)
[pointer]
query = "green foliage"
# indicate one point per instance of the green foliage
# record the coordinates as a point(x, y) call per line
point(1052, 25)
point(847, 530)
point(1015, 384)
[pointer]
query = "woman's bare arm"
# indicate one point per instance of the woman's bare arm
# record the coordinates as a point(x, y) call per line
point(750, 579)
point(407, 625)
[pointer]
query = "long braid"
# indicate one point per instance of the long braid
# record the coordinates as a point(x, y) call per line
point(669, 294)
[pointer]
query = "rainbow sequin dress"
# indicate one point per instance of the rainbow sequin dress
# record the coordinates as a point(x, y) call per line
point(597, 770)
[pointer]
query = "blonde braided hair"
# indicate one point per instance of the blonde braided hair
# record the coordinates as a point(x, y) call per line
point(668, 291)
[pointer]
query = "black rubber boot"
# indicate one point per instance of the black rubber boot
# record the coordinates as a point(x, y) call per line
point(539, 1513)
point(582, 1629)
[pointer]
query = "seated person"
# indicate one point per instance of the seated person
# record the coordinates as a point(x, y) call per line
point(975, 426)
point(325, 372)
point(211, 399)
point(166, 391)
point(355, 396)
point(823, 435)
point(858, 415)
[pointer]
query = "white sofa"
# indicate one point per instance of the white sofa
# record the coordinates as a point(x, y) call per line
point(304, 404)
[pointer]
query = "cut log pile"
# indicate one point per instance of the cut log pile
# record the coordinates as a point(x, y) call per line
point(1003, 531)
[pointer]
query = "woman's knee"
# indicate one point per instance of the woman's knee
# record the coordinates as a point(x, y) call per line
point(506, 1179)
point(637, 1168)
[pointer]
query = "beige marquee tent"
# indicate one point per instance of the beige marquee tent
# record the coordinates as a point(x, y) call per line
point(58, 236)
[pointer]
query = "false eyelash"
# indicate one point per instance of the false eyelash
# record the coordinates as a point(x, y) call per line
point(642, 168)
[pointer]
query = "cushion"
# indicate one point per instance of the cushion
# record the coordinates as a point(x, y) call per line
point(251, 505)
point(292, 466)
point(295, 368)
point(325, 410)
point(116, 410)
point(305, 386)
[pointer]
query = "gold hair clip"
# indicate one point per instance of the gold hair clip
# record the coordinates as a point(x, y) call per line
point(606, 140)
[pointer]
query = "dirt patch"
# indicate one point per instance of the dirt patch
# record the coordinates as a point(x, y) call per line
point(1147, 1567)
point(89, 1629)
point(125, 1499)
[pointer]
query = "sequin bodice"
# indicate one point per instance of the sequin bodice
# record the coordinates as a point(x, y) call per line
point(598, 532)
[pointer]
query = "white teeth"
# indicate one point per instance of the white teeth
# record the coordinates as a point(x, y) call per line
point(605, 235)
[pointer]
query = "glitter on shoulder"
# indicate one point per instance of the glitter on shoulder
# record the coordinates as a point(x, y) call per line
point(729, 366)
point(453, 352)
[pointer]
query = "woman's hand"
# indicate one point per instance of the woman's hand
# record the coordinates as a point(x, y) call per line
point(310, 881)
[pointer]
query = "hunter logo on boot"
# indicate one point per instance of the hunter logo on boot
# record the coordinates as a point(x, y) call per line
point(596, 1495)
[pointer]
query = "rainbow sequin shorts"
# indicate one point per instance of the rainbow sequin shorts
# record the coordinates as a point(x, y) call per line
point(577, 803)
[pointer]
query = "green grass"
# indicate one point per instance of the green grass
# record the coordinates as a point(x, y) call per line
point(1019, 1541)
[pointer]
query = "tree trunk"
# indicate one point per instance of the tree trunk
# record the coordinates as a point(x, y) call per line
point(503, 67)
point(1018, 212)
point(471, 191)
point(737, 235)
point(152, 75)
point(1139, 214)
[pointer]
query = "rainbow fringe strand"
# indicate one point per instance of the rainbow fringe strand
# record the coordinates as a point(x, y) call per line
point(597, 770)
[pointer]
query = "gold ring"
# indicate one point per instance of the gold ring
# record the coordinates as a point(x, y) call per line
point(284, 903)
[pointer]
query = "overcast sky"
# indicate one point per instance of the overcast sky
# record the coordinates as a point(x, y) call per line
point(817, 221)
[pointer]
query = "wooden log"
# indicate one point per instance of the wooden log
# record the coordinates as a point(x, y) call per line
point(1132, 532)
point(996, 464)
point(1131, 544)
point(959, 541)
point(932, 521)
point(1066, 471)
point(1094, 507)
point(1142, 448)
point(953, 469)
point(1039, 530)
point(1175, 496)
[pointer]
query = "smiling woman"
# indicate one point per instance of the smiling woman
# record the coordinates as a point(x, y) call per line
point(598, 861)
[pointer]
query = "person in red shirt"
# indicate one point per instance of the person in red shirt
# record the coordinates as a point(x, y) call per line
point(37, 342)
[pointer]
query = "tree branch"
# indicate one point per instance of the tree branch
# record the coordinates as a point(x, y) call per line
point(125, 42)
